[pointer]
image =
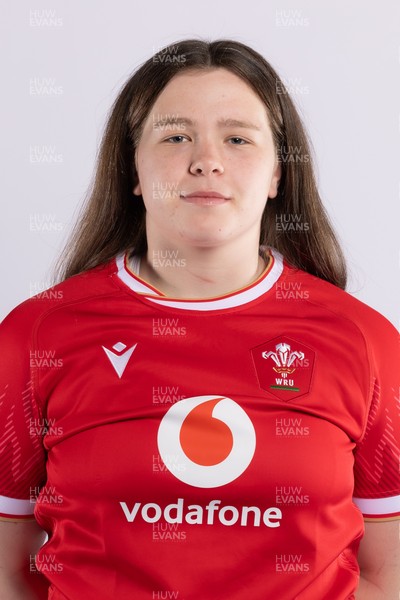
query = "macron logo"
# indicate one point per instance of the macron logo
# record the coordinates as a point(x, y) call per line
point(120, 358)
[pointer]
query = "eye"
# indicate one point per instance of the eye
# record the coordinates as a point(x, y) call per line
point(176, 139)
point(238, 141)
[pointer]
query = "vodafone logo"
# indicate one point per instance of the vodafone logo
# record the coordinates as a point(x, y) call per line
point(206, 441)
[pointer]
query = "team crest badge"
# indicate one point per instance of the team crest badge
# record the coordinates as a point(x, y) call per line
point(284, 367)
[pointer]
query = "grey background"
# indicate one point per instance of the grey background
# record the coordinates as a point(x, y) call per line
point(64, 62)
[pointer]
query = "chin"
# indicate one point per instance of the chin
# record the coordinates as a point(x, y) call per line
point(203, 235)
point(205, 243)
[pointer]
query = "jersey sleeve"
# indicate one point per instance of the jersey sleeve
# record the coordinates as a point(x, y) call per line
point(22, 454)
point(377, 455)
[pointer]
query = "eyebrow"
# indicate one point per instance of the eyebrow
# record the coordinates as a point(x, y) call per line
point(238, 123)
point(221, 123)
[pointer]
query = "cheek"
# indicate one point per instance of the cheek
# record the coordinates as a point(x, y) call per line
point(163, 172)
point(254, 177)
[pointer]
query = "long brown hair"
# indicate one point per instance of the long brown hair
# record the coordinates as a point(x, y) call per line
point(113, 220)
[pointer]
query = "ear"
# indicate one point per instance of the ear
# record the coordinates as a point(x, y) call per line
point(276, 177)
point(137, 190)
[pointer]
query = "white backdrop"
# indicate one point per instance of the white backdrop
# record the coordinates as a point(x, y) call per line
point(64, 62)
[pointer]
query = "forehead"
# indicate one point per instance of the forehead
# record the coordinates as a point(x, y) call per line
point(202, 89)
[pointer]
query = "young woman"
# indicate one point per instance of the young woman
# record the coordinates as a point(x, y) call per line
point(199, 411)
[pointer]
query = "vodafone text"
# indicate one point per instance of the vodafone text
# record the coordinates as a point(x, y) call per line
point(194, 514)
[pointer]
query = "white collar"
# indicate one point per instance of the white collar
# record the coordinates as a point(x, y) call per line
point(237, 298)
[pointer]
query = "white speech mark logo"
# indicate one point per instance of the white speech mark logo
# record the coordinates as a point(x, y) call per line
point(206, 441)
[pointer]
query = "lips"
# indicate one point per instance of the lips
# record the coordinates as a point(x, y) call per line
point(205, 197)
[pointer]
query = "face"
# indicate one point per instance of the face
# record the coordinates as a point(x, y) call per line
point(206, 162)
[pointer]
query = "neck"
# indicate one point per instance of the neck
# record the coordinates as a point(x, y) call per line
point(201, 272)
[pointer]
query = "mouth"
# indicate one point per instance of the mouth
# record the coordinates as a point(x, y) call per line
point(205, 198)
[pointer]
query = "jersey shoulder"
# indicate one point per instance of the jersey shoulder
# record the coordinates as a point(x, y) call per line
point(340, 304)
point(90, 284)
point(362, 325)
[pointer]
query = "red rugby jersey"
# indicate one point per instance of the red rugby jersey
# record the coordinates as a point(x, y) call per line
point(226, 448)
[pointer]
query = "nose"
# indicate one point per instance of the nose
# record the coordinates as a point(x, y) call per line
point(206, 160)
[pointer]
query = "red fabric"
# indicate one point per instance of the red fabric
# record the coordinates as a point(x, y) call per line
point(284, 524)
